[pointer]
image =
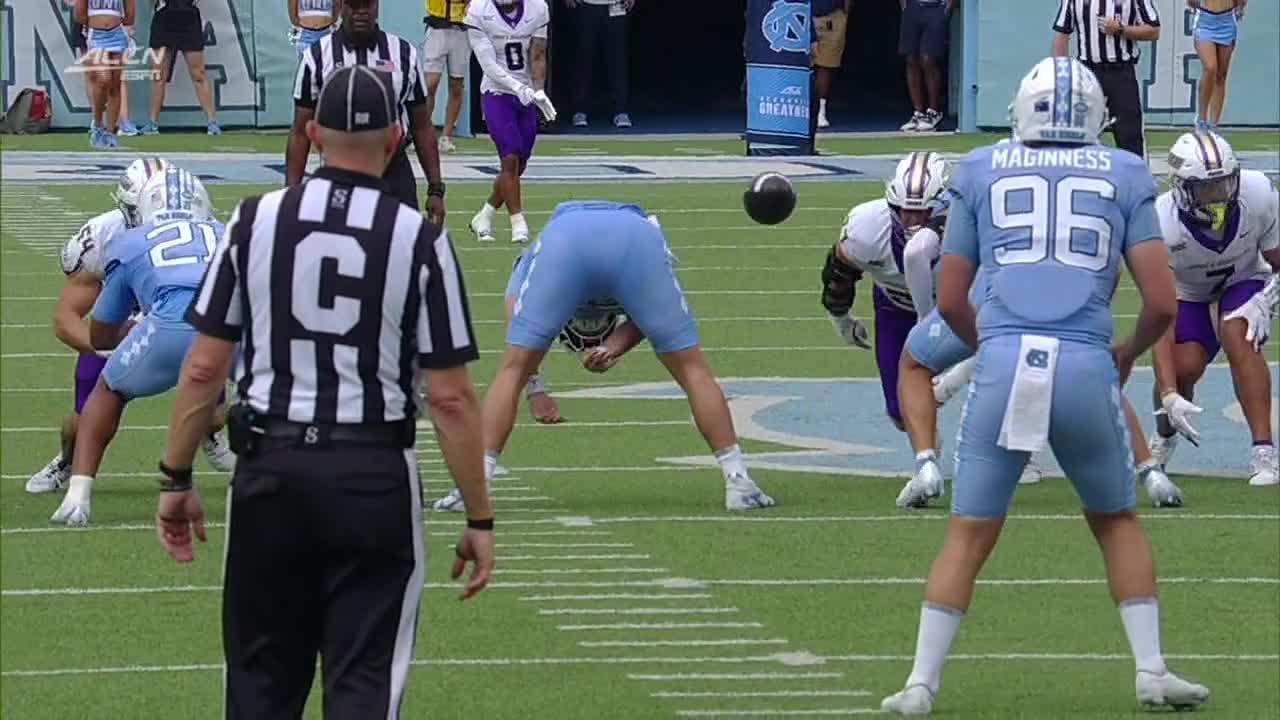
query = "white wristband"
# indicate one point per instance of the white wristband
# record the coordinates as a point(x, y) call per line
point(535, 385)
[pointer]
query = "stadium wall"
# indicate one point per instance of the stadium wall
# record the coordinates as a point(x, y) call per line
point(249, 59)
point(1010, 35)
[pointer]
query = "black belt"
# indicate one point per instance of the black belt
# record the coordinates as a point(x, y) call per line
point(1117, 65)
point(440, 23)
point(302, 435)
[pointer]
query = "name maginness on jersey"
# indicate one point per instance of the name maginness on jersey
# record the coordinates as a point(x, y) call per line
point(1016, 156)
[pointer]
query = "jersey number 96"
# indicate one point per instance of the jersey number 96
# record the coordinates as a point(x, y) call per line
point(1050, 214)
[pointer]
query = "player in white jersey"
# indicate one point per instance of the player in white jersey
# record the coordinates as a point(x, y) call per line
point(83, 270)
point(509, 39)
point(1222, 227)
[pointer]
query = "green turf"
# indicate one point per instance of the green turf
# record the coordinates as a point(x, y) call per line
point(273, 141)
point(850, 573)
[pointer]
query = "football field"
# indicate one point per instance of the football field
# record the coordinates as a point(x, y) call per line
point(624, 590)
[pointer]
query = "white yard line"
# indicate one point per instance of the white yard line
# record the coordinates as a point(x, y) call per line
point(752, 348)
point(584, 571)
point(681, 677)
point(778, 712)
point(725, 642)
point(663, 626)
point(616, 596)
point(762, 694)
point(640, 611)
point(602, 556)
point(534, 533)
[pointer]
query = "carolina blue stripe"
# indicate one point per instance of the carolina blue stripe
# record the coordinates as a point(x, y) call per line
point(1063, 82)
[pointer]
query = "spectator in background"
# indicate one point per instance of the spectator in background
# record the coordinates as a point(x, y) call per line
point(177, 27)
point(107, 41)
point(830, 19)
point(606, 22)
point(312, 20)
point(446, 49)
point(1217, 24)
point(923, 42)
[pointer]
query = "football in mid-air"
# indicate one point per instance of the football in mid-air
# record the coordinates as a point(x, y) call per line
point(770, 199)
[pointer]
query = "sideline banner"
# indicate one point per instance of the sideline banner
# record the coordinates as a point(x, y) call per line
point(779, 79)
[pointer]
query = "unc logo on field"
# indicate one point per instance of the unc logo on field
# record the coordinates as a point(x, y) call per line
point(786, 27)
point(839, 426)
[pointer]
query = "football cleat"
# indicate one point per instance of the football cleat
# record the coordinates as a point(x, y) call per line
point(1263, 461)
point(925, 485)
point(51, 477)
point(73, 512)
point(219, 455)
point(1031, 472)
point(912, 701)
point(1161, 490)
point(913, 124)
point(450, 503)
point(1167, 690)
point(740, 493)
point(1162, 448)
point(482, 227)
point(446, 145)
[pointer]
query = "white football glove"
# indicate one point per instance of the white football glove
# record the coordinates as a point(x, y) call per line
point(544, 104)
point(852, 331)
point(526, 94)
point(1256, 312)
point(1179, 409)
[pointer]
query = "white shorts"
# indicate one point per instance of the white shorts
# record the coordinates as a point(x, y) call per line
point(446, 48)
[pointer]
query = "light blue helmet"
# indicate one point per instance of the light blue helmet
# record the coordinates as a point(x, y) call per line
point(175, 194)
point(1059, 101)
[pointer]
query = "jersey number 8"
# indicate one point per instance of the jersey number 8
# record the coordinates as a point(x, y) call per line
point(515, 55)
point(1051, 214)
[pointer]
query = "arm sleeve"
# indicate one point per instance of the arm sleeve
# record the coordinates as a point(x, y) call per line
point(217, 309)
point(1064, 21)
point(1270, 239)
point(1148, 12)
point(444, 334)
point(306, 84)
point(482, 46)
point(961, 237)
point(115, 302)
point(922, 251)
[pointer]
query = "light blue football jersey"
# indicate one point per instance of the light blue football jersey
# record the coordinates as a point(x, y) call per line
point(159, 266)
point(1048, 227)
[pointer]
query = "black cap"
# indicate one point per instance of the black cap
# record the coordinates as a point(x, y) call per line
point(357, 98)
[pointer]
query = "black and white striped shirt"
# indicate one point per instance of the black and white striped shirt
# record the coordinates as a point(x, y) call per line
point(390, 53)
point(1085, 18)
point(337, 293)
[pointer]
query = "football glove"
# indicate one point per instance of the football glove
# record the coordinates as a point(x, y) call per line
point(838, 279)
point(526, 94)
point(1256, 312)
point(852, 330)
point(1179, 411)
point(544, 104)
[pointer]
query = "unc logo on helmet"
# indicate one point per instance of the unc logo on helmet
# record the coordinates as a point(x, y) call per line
point(582, 333)
point(786, 27)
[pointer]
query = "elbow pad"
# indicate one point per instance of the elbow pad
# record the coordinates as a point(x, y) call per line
point(838, 280)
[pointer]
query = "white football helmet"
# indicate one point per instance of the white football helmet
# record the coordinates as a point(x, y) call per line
point(918, 183)
point(135, 176)
point(1205, 177)
point(1059, 101)
point(174, 194)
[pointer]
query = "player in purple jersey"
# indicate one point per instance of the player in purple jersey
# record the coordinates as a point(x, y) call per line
point(509, 38)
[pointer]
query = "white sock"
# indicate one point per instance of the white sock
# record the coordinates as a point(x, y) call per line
point(732, 462)
point(490, 465)
point(80, 488)
point(486, 212)
point(518, 222)
point(1141, 618)
point(822, 107)
point(938, 625)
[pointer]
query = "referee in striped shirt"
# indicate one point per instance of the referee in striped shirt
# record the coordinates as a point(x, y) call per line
point(361, 42)
point(337, 294)
point(1107, 36)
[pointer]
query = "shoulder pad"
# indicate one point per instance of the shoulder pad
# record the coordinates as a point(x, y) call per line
point(80, 251)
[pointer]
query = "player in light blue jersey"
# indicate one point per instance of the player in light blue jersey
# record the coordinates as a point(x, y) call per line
point(593, 260)
point(156, 266)
point(1047, 220)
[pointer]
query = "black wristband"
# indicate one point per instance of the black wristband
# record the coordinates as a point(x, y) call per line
point(436, 189)
point(175, 480)
point(480, 524)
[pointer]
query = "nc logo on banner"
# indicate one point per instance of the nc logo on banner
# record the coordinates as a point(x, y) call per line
point(786, 27)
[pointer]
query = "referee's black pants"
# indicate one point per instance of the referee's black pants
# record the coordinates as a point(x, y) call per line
point(1119, 83)
point(324, 556)
point(399, 178)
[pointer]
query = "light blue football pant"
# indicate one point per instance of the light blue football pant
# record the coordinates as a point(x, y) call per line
point(149, 359)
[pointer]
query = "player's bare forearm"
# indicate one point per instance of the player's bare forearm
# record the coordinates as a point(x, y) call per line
point(1061, 44)
point(538, 53)
point(424, 142)
point(105, 335)
point(1162, 363)
point(622, 340)
point(1149, 264)
point(202, 378)
point(455, 413)
point(297, 148)
point(75, 300)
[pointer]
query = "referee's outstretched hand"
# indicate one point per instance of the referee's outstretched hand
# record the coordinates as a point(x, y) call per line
point(475, 546)
point(178, 516)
